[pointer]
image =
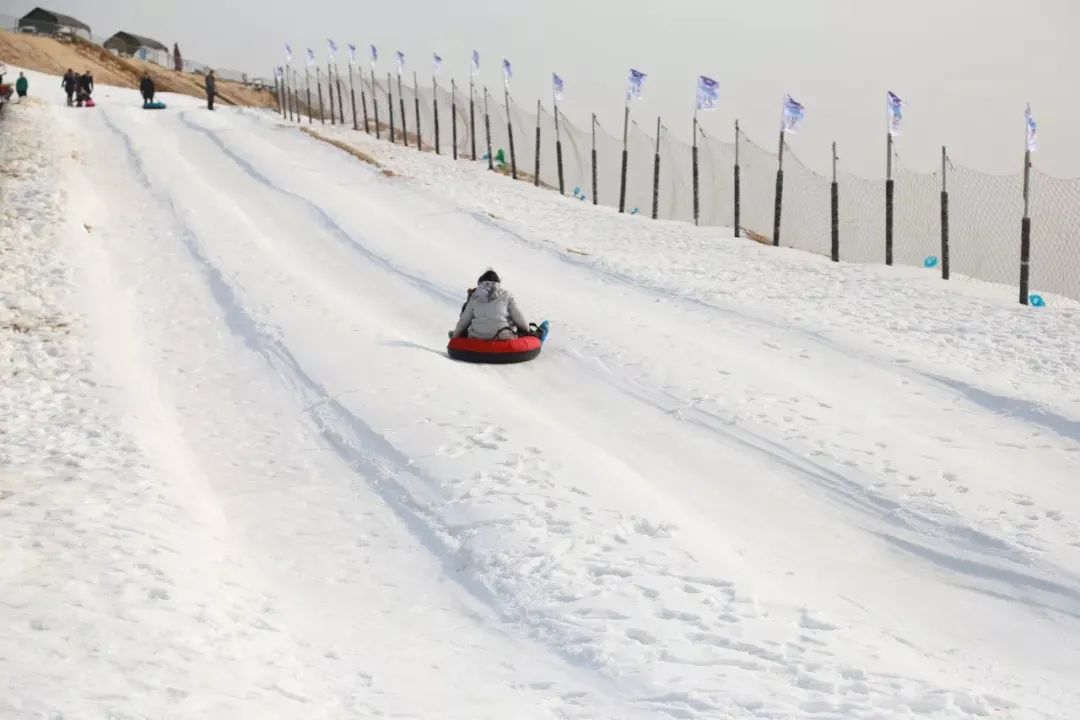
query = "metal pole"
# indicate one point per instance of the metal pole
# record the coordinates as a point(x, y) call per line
point(330, 91)
point(435, 104)
point(835, 210)
point(404, 122)
point(277, 93)
point(558, 148)
point(889, 194)
point(472, 120)
point(510, 133)
point(1025, 232)
point(944, 215)
point(453, 115)
point(307, 83)
point(622, 172)
point(738, 187)
point(390, 102)
point(595, 199)
point(352, 99)
point(656, 174)
point(318, 81)
point(536, 174)
point(487, 131)
point(416, 109)
point(340, 96)
point(694, 171)
point(779, 198)
point(375, 104)
point(363, 100)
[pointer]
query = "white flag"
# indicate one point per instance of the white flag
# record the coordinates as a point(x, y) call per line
point(508, 73)
point(288, 54)
point(708, 93)
point(475, 63)
point(634, 84)
point(558, 86)
point(400, 62)
point(332, 47)
point(794, 113)
point(374, 56)
point(352, 54)
point(1032, 130)
point(895, 107)
point(436, 63)
point(310, 57)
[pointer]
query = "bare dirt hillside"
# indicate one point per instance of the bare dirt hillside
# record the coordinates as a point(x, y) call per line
point(51, 56)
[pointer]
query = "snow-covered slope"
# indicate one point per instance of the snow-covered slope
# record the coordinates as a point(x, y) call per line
point(241, 478)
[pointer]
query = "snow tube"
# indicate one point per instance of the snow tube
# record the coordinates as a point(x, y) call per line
point(154, 106)
point(497, 352)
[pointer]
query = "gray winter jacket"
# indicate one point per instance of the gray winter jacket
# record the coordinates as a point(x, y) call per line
point(490, 309)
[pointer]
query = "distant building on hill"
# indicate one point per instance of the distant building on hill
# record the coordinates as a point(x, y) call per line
point(46, 22)
point(131, 45)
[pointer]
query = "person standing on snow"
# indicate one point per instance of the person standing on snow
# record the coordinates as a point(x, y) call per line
point(146, 87)
point(211, 89)
point(85, 89)
point(22, 86)
point(491, 312)
point(70, 85)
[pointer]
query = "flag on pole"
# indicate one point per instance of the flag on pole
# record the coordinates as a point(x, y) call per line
point(557, 84)
point(708, 93)
point(352, 54)
point(475, 63)
point(288, 53)
point(400, 62)
point(896, 112)
point(310, 57)
point(279, 73)
point(508, 73)
point(1032, 130)
point(794, 113)
point(374, 56)
point(633, 88)
point(436, 63)
point(332, 46)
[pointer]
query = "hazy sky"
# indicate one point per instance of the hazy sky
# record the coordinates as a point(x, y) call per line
point(964, 67)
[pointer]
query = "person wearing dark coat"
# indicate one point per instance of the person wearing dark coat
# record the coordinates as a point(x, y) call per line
point(70, 85)
point(85, 89)
point(146, 87)
point(211, 89)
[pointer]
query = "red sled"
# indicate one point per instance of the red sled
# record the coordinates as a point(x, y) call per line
point(495, 352)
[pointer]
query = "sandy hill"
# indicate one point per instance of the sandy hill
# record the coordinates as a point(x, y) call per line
point(51, 56)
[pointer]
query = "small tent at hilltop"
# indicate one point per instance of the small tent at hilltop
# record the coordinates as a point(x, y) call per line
point(131, 45)
point(46, 22)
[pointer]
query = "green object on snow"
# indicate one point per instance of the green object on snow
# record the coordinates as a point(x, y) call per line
point(500, 157)
point(22, 85)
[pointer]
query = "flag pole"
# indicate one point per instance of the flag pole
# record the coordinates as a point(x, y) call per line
point(510, 130)
point(363, 100)
point(694, 158)
point(944, 215)
point(487, 131)
point(453, 115)
point(594, 185)
point(1025, 223)
point(340, 96)
point(375, 104)
point(738, 186)
point(435, 104)
point(558, 140)
point(889, 189)
point(472, 115)
point(390, 101)
point(779, 197)
point(416, 110)
point(625, 138)
point(834, 212)
point(401, 103)
point(318, 82)
point(352, 98)
point(656, 173)
point(330, 90)
point(536, 173)
point(307, 83)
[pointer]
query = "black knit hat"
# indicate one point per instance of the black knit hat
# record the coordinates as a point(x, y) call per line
point(489, 276)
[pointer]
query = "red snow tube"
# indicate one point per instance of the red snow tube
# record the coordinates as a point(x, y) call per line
point(499, 352)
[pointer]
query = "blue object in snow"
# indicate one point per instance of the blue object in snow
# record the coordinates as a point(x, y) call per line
point(577, 190)
point(930, 262)
point(1036, 301)
point(634, 211)
point(544, 328)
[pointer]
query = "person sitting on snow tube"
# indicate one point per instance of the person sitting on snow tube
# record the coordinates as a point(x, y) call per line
point(491, 313)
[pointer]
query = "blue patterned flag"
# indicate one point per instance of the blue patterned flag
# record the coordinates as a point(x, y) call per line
point(279, 73)
point(633, 88)
point(288, 53)
point(332, 46)
point(310, 57)
point(895, 107)
point(794, 113)
point(400, 62)
point(708, 93)
point(436, 63)
point(475, 63)
point(508, 73)
point(1032, 130)
point(352, 54)
point(558, 86)
point(374, 56)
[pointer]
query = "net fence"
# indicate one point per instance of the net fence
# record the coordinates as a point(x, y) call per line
point(985, 210)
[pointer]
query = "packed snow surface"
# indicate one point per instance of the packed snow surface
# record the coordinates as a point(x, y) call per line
point(239, 477)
